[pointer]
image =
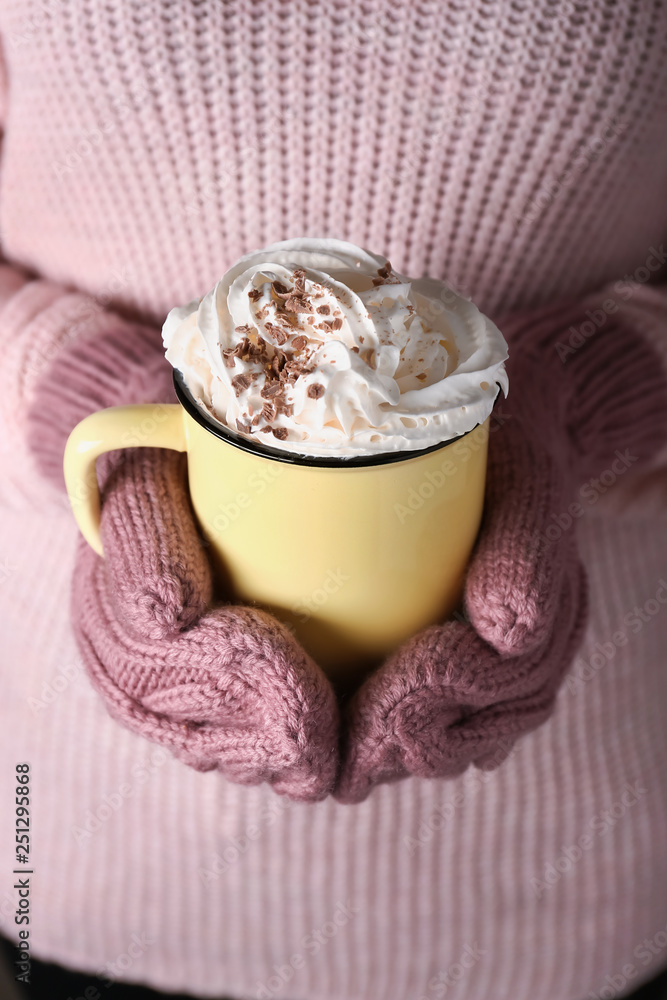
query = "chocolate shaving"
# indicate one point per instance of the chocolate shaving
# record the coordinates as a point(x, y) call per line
point(323, 310)
point(277, 333)
point(299, 343)
point(355, 350)
point(385, 274)
point(330, 325)
point(268, 412)
point(315, 390)
point(245, 350)
point(240, 382)
point(280, 289)
point(296, 304)
point(271, 389)
point(244, 428)
point(245, 329)
point(254, 294)
point(297, 301)
point(280, 432)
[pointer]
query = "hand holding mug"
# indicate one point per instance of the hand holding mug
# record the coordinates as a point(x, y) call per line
point(455, 694)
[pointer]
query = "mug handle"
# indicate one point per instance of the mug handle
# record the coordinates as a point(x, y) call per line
point(145, 425)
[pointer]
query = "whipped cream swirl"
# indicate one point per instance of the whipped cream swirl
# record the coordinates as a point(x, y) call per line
point(318, 347)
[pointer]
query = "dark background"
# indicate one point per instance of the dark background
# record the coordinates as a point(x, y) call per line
point(51, 982)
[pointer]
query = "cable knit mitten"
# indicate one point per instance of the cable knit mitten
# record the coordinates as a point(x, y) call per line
point(228, 689)
point(234, 692)
point(223, 687)
point(462, 692)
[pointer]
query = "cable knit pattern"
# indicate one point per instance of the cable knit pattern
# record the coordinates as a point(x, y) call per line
point(446, 699)
point(516, 149)
point(235, 692)
point(562, 425)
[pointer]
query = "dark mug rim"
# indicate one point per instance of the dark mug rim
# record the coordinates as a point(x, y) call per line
point(219, 430)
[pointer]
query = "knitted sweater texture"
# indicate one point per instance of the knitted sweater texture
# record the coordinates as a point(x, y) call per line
point(516, 149)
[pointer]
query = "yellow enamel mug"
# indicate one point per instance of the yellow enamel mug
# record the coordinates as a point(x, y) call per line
point(355, 555)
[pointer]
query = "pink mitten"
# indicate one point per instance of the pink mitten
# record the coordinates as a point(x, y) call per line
point(223, 687)
point(462, 692)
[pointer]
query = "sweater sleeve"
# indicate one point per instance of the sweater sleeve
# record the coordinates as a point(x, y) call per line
point(608, 352)
point(644, 309)
point(39, 320)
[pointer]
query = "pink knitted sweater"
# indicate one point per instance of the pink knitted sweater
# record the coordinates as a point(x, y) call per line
point(519, 151)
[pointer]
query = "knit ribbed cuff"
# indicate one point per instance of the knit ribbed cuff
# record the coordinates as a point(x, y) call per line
point(602, 382)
